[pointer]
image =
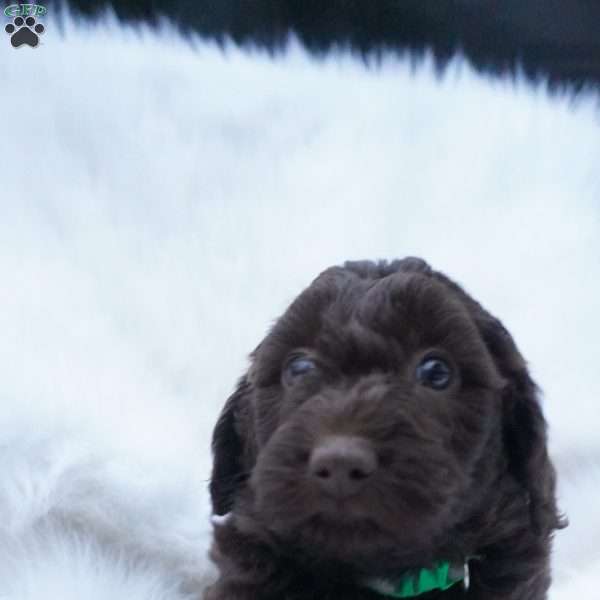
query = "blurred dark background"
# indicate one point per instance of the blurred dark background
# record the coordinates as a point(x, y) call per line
point(555, 41)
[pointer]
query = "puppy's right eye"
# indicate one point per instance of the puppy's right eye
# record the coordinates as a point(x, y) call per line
point(434, 373)
point(300, 366)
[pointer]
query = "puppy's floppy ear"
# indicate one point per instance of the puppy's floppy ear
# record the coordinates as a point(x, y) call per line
point(524, 427)
point(228, 472)
point(525, 442)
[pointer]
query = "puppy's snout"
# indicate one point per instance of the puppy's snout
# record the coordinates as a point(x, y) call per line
point(341, 465)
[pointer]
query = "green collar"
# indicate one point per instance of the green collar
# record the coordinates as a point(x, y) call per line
point(441, 576)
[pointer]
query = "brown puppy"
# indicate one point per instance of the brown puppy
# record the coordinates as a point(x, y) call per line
point(386, 441)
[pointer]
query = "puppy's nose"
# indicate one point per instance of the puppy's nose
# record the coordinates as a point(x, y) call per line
point(340, 465)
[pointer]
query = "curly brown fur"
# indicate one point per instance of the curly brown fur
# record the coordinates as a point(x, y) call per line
point(460, 471)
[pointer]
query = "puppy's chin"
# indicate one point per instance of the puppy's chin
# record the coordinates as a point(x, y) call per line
point(349, 532)
point(354, 543)
point(360, 544)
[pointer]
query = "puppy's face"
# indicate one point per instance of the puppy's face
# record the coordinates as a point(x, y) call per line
point(370, 418)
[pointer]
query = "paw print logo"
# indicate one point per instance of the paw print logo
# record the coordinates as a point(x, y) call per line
point(24, 31)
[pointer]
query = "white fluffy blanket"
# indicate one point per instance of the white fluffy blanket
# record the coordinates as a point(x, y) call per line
point(161, 202)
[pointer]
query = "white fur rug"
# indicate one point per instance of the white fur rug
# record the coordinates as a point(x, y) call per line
point(160, 206)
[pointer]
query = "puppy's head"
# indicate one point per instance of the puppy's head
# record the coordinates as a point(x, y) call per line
point(381, 410)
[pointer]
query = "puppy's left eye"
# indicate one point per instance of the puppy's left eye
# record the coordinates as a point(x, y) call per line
point(434, 373)
point(300, 366)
